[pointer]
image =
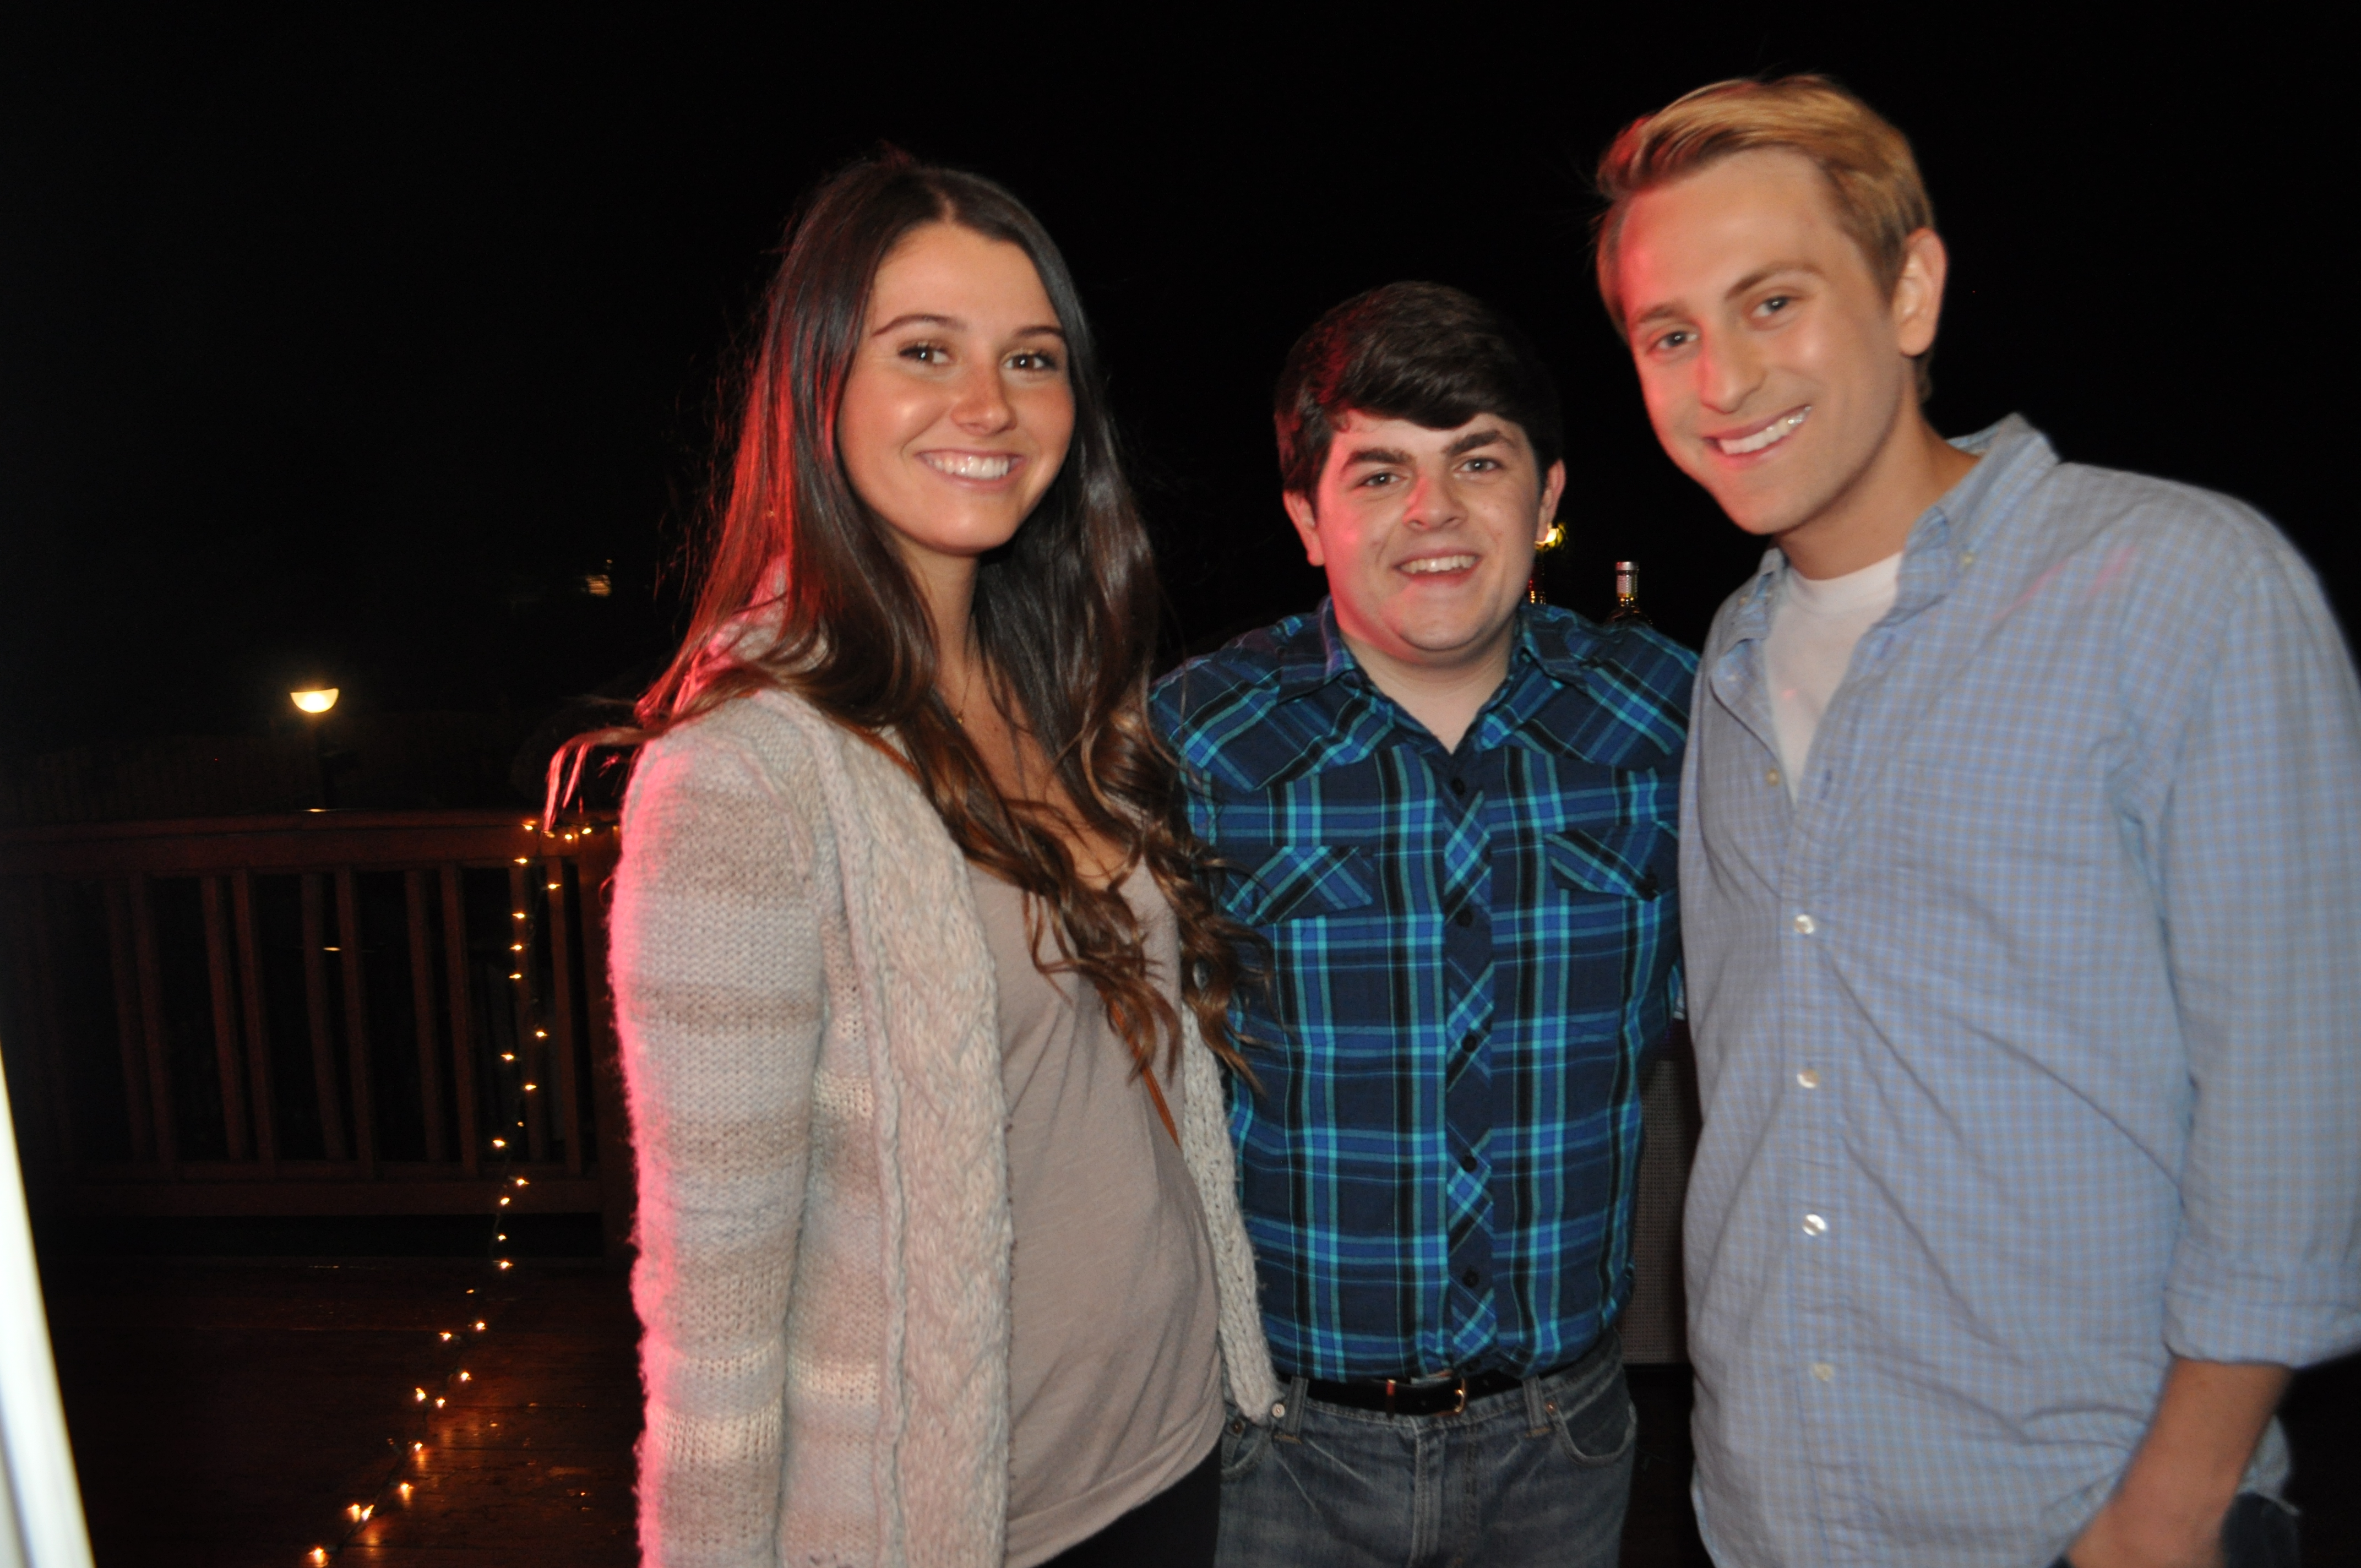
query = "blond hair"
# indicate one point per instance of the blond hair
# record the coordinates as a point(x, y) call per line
point(1880, 199)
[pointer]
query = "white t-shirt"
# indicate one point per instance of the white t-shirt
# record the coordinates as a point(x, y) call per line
point(1814, 625)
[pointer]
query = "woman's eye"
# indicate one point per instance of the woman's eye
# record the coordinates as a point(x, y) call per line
point(1774, 304)
point(1667, 342)
point(1033, 360)
point(925, 353)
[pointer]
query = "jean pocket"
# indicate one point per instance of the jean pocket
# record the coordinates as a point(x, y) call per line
point(1244, 1444)
point(1601, 1431)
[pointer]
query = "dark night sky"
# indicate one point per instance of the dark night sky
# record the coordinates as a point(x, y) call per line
point(347, 344)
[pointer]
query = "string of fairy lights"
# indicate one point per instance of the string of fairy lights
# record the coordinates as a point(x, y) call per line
point(409, 1449)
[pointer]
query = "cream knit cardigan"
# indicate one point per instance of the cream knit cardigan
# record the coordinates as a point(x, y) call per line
point(807, 1008)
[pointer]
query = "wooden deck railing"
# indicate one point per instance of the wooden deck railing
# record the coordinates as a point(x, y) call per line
point(333, 1012)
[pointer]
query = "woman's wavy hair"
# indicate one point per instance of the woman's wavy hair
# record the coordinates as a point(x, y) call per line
point(1065, 613)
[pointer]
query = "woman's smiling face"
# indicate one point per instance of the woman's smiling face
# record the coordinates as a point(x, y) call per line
point(958, 410)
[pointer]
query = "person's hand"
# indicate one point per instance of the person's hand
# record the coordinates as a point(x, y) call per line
point(2126, 1535)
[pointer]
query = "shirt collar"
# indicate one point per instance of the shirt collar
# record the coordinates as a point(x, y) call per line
point(1317, 653)
point(1945, 540)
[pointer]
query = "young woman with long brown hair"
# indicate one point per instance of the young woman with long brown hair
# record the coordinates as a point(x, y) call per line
point(919, 995)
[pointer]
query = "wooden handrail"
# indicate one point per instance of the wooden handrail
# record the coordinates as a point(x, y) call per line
point(217, 1015)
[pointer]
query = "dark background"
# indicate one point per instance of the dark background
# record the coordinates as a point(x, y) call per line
point(345, 348)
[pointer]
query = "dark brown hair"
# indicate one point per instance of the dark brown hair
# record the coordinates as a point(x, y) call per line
point(1423, 352)
point(1065, 614)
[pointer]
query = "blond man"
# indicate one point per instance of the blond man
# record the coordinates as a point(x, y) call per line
point(2021, 881)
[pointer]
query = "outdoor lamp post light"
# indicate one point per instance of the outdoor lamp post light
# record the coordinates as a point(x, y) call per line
point(313, 703)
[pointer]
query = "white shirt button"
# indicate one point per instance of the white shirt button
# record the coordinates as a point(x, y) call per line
point(1815, 1226)
point(1805, 925)
point(1772, 777)
point(1824, 1372)
point(1809, 1077)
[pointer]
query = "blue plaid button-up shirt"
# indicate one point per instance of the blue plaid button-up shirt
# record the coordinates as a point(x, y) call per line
point(1472, 951)
point(2029, 1034)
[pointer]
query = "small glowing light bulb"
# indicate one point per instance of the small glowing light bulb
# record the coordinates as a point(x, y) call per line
point(404, 1490)
point(319, 1554)
point(520, 1181)
point(446, 1333)
point(419, 1394)
point(516, 947)
point(531, 1087)
point(504, 1262)
point(500, 1143)
point(516, 914)
point(521, 859)
point(438, 1404)
point(504, 1202)
point(480, 1325)
point(541, 1033)
point(355, 1511)
point(516, 977)
point(465, 1378)
point(417, 1448)
point(508, 1055)
point(552, 887)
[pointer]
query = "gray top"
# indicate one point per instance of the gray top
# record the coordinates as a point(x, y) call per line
point(1113, 1374)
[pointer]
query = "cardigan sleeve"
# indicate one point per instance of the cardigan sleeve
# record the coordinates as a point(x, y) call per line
point(719, 1004)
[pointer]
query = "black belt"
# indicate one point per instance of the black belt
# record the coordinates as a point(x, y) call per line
point(1419, 1397)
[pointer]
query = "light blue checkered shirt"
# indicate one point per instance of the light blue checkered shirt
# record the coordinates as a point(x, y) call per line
point(2026, 1036)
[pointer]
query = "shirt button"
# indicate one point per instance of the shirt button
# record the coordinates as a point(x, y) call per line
point(1465, 917)
point(1467, 1163)
point(1469, 1278)
point(1815, 1226)
point(1772, 777)
point(1459, 786)
point(1824, 1372)
point(1805, 925)
point(1809, 1077)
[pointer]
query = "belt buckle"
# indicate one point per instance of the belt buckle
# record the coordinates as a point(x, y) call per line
point(1458, 1387)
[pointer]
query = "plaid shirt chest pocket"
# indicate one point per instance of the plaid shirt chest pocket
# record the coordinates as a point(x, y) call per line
point(1612, 901)
point(1303, 880)
point(1636, 859)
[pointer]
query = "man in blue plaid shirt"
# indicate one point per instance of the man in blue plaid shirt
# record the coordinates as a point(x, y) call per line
point(1451, 816)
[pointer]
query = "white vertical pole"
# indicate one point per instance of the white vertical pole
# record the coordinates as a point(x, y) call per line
point(38, 1487)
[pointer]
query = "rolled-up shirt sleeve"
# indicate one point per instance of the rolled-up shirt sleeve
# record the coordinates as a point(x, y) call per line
point(2258, 857)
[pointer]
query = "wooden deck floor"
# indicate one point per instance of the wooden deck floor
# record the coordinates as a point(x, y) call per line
point(223, 1413)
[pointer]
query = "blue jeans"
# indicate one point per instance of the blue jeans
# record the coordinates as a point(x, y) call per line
point(1536, 1475)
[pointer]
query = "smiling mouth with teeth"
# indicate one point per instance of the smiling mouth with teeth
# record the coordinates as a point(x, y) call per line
point(1778, 430)
point(1434, 564)
point(970, 465)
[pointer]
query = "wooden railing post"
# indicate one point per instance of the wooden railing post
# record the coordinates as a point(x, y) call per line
point(316, 1009)
point(224, 995)
point(356, 1040)
point(151, 1024)
point(259, 1076)
point(422, 1006)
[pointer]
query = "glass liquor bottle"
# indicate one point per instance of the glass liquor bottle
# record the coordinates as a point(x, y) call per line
point(1627, 597)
